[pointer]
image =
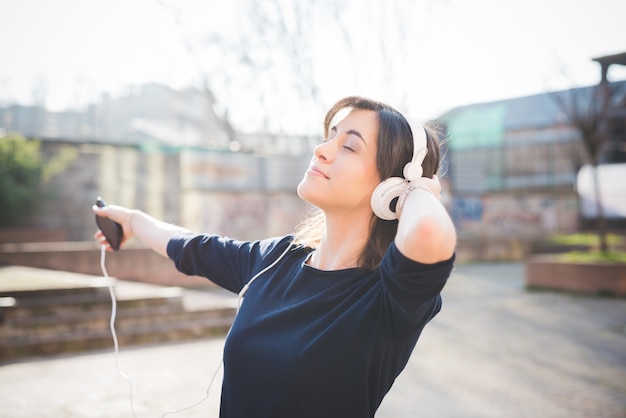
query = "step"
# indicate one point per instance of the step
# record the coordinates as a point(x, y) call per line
point(19, 280)
point(67, 305)
point(100, 319)
point(45, 313)
point(72, 342)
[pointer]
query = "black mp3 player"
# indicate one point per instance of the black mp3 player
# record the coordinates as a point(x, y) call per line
point(112, 231)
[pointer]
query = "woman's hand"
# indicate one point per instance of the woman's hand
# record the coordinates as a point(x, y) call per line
point(135, 223)
point(431, 185)
point(122, 216)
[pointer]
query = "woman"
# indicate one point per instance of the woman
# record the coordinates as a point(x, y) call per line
point(337, 309)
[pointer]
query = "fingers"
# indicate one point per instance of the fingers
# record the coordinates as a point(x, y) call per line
point(101, 239)
point(100, 211)
point(117, 214)
point(439, 189)
point(99, 236)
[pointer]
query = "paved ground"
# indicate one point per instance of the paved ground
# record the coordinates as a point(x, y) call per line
point(495, 350)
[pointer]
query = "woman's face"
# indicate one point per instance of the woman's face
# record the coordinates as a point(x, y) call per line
point(342, 174)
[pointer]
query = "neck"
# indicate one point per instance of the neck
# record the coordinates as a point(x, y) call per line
point(342, 243)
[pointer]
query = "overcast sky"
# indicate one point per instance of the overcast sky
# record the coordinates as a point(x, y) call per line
point(67, 52)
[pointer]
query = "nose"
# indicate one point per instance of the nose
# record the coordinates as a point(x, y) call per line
point(323, 151)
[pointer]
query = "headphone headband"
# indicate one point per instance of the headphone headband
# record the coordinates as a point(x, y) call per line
point(386, 194)
point(413, 169)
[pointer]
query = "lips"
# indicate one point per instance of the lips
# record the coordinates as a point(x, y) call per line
point(316, 171)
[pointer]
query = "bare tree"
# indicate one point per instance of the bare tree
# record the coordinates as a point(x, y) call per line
point(286, 58)
point(588, 110)
point(277, 47)
point(210, 106)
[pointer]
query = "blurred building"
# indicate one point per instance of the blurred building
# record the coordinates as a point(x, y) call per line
point(513, 164)
point(147, 116)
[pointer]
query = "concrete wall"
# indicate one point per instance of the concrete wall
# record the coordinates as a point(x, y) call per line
point(120, 174)
point(236, 194)
point(602, 278)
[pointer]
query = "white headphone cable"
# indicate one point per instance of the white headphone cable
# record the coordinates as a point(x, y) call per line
point(244, 290)
point(115, 342)
point(240, 297)
point(112, 326)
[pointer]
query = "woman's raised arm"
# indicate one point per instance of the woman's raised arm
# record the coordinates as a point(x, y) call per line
point(425, 233)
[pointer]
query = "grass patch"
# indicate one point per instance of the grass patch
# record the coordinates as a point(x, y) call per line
point(601, 293)
point(593, 257)
point(585, 239)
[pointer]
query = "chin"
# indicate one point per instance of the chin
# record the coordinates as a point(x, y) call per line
point(306, 192)
point(301, 189)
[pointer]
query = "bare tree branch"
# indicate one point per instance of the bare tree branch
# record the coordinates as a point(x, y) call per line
point(588, 110)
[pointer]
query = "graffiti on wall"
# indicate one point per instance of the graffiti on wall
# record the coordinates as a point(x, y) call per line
point(466, 211)
point(518, 215)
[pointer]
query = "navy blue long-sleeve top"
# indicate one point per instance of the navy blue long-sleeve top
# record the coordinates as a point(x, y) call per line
point(308, 342)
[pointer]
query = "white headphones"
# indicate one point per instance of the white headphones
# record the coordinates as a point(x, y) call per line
point(387, 193)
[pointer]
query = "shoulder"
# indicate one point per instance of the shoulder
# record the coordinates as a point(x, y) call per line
point(395, 263)
point(412, 284)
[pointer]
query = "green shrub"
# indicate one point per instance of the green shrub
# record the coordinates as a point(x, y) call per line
point(23, 169)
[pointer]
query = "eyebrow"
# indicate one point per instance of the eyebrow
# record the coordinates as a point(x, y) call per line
point(351, 132)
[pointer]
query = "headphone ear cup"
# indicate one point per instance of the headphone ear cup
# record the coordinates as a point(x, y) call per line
point(383, 197)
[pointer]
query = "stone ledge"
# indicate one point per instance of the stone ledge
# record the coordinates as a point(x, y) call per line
point(132, 263)
point(13, 235)
point(544, 271)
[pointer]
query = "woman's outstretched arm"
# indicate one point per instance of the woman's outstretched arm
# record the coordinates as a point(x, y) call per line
point(135, 223)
